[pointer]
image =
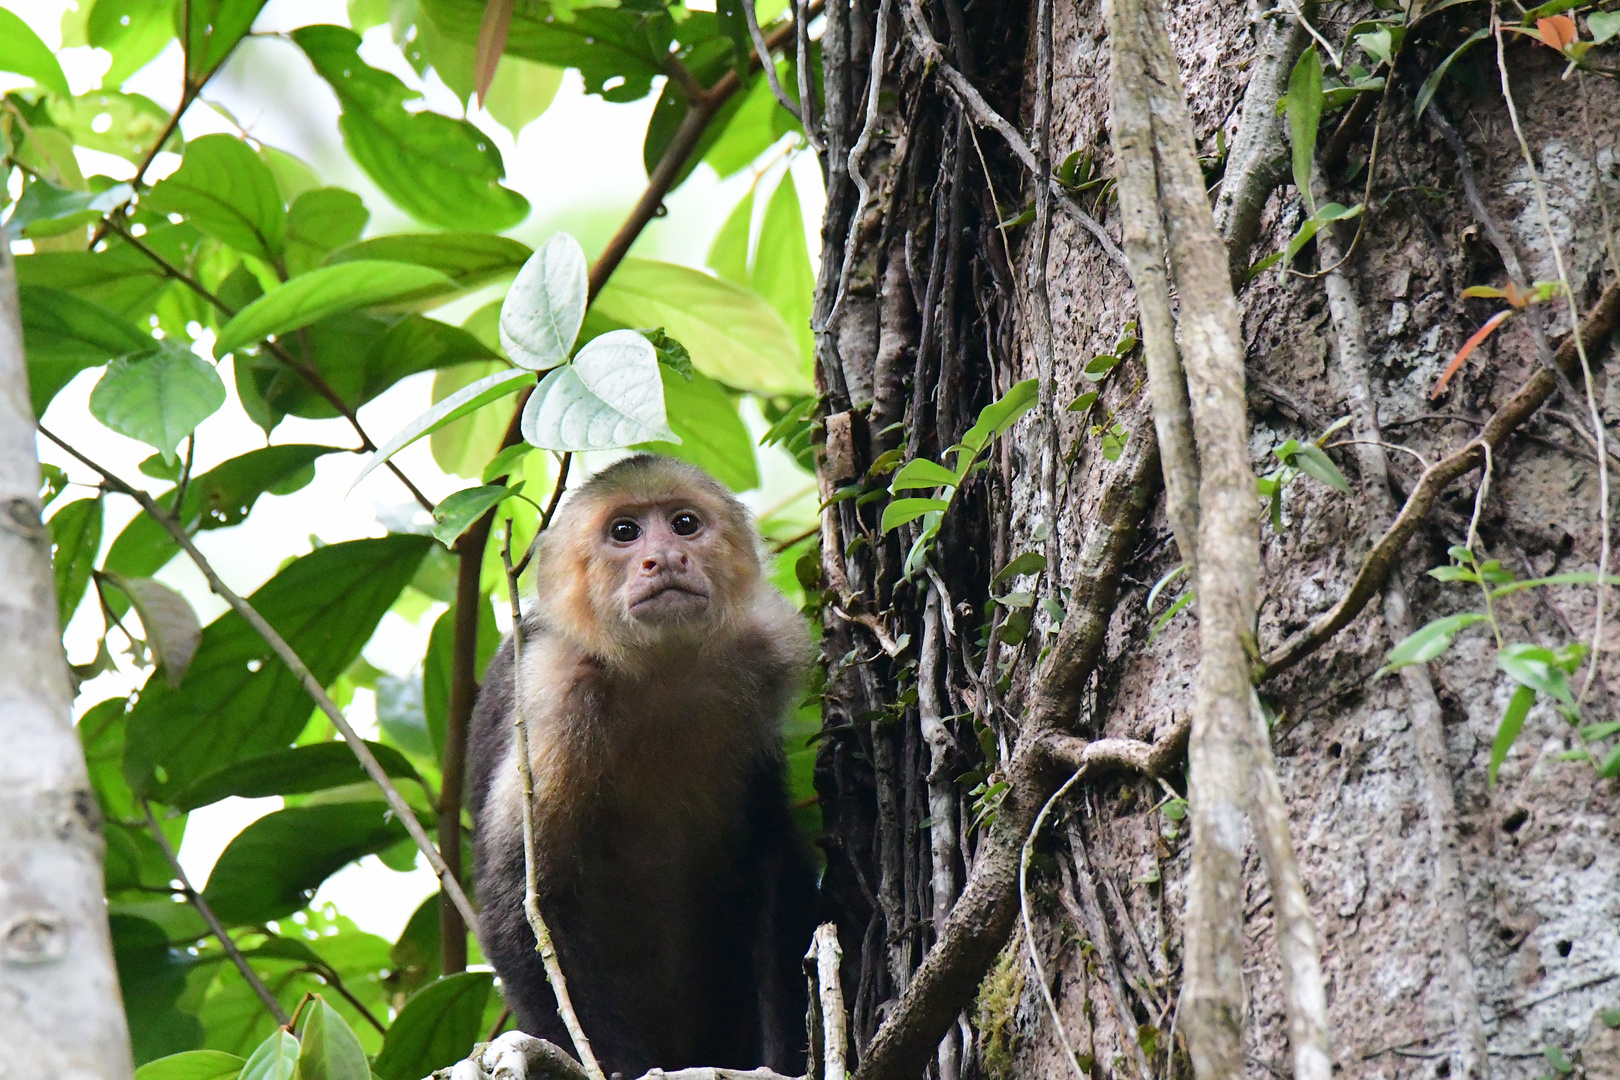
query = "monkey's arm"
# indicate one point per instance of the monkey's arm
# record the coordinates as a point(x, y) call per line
point(503, 926)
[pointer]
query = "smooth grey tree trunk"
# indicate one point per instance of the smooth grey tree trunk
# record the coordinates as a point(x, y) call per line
point(60, 1010)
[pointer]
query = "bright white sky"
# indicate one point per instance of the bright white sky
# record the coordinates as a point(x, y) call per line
point(580, 167)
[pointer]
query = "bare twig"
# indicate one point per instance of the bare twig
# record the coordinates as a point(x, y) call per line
point(827, 956)
point(763, 52)
point(1040, 296)
point(217, 928)
point(982, 114)
point(1029, 930)
point(531, 885)
point(301, 672)
point(941, 788)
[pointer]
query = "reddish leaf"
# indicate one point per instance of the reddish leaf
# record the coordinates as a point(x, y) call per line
point(491, 43)
point(1468, 347)
point(1557, 32)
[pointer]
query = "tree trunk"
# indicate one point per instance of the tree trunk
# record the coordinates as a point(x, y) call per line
point(1463, 927)
point(62, 1014)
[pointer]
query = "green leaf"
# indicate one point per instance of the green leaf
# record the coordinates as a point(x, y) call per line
point(273, 867)
point(239, 700)
point(1313, 461)
point(1379, 44)
point(297, 771)
point(216, 28)
point(456, 513)
point(781, 271)
point(437, 1027)
point(611, 396)
point(193, 1065)
point(728, 254)
point(1556, 1058)
point(326, 291)
point(1428, 642)
point(328, 1049)
point(119, 278)
point(506, 463)
point(521, 91)
point(713, 435)
point(134, 31)
point(469, 259)
point(171, 626)
point(1169, 613)
point(224, 189)
point(1304, 114)
point(1160, 585)
point(1098, 367)
point(1084, 402)
point(1537, 668)
point(733, 334)
point(1307, 230)
point(1595, 732)
point(160, 398)
point(152, 976)
point(1030, 562)
point(221, 497)
point(997, 417)
point(923, 473)
point(542, 312)
point(275, 1059)
point(1426, 92)
point(22, 52)
point(441, 171)
point(1508, 730)
point(359, 354)
point(75, 542)
point(900, 511)
point(59, 209)
point(322, 220)
point(1603, 24)
point(468, 399)
point(64, 333)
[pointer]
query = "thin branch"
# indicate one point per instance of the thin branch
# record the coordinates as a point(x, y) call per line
point(531, 885)
point(699, 112)
point(217, 928)
point(300, 671)
point(922, 40)
point(1029, 930)
point(762, 52)
point(807, 97)
point(1375, 568)
point(827, 956)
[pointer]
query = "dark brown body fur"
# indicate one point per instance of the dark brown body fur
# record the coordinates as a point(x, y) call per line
point(676, 889)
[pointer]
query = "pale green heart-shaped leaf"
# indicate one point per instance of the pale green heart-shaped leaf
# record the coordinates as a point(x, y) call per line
point(544, 308)
point(159, 398)
point(469, 398)
point(610, 396)
point(326, 291)
point(1603, 24)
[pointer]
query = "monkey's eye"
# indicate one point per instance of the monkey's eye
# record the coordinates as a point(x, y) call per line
point(624, 531)
point(685, 523)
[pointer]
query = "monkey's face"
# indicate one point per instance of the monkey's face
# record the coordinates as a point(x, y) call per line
point(660, 554)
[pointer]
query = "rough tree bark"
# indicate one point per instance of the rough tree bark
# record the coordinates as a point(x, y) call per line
point(1461, 927)
point(61, 1014)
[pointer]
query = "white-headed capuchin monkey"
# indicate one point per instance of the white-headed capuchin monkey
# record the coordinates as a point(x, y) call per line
point(656, 670)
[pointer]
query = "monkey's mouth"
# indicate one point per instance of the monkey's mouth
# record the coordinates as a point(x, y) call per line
point(666, 600)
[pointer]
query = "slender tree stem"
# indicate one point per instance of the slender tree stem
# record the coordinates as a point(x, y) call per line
point(215, 927)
